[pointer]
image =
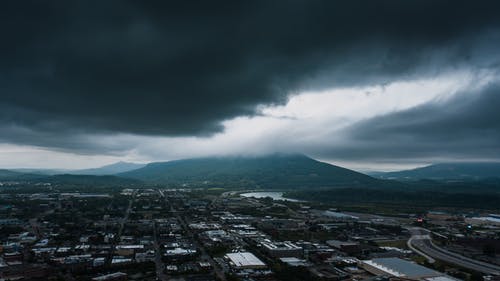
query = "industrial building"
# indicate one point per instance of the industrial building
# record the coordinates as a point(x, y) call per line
point(400, 268)
point(245, 260)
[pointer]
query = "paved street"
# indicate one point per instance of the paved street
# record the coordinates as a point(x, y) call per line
point(160, 274)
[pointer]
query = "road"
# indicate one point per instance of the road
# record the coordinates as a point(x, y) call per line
point(123, 221)
point(160, 273)
point(415, 240)
point(421, 241)
point(204, 255)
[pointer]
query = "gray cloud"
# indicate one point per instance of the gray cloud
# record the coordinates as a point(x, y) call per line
point(465, 127)
point(73, 141)
point(156, 68)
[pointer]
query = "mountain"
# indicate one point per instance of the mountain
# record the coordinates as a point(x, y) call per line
point(46, 172)
point(462, 171)
point(87, 180)
point(90, 180)
point(272, 171)
point(116, 168)
point(9, 175)
point(26, 173)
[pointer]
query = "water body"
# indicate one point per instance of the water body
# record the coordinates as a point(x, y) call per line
point(273, 194)
point(339, 215)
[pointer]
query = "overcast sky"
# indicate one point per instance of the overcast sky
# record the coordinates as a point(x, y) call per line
point(370, 85)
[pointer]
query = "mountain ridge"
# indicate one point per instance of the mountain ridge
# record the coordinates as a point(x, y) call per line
point(447, 171)
point(270, 171)
point(111, 169)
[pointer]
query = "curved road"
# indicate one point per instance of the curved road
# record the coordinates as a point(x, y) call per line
point(421, 240)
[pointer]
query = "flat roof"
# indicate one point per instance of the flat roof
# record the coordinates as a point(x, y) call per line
point(129, 246)
point(338, 243)
point(280, 246)
point(402, 268)
point(294, 261)
point(245, 259)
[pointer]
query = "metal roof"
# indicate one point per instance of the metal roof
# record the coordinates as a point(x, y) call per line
point(403, 267)
point(245, 259)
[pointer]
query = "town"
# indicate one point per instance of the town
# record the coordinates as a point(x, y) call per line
point(122, 233)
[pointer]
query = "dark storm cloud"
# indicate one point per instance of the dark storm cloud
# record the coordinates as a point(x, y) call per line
point(158, 68)
point(464, 127)
point(68, 141)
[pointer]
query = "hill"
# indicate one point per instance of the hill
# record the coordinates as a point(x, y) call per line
point(41, 172)
point(90, 180)
point(413, 199)
point(9, 175)
point(272, 171)
point(463, 171)
point(68, 179)
point(115, 168)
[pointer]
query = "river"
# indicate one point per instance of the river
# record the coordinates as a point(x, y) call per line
point(275, 195)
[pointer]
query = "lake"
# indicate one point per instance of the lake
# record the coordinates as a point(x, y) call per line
point(275, 195)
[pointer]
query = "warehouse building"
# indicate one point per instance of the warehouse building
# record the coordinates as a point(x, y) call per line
point(245, 260)
point(400, 268)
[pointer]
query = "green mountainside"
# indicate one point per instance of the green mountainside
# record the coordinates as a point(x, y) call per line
point(272, 171)
point(447, 171)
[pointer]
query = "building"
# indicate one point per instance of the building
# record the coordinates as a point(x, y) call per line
point(180, 252)
point(216, 235)
point(345, 246)
point(282, 249)
point(491, 219)
point(128, 250)
point(292, 261)
point(245, 260)
point(400, 268)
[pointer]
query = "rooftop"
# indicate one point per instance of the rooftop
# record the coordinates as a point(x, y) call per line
point(245, 259)
point(402, 268)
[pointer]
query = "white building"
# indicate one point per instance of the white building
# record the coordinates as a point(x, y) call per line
point(245, 260)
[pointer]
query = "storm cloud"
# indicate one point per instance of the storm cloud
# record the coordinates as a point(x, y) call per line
point(466, 126)
point(75, 73)
point(159, 68)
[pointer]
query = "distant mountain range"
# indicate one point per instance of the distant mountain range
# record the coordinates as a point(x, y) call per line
point(13, 175)
point(284, 171)
point(47, 172)
point(446, 171)
point(112, 169)
point(271, 171)
point(104, 175)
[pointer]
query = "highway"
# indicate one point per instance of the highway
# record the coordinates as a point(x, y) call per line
point(421, 241)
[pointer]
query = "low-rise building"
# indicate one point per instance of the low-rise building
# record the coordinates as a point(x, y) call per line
point(245, 260)
point(282, 249)
point(400, 268)
point(348, 247)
